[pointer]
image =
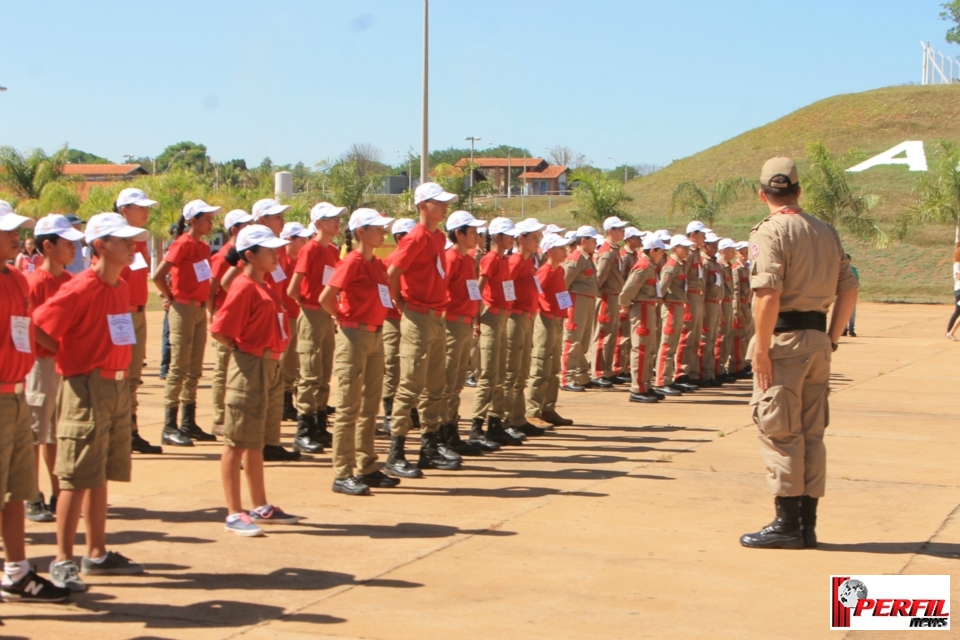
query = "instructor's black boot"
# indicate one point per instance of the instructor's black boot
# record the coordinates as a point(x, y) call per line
point(387, 414)
point(321, 433)
point(808, 521)
point(443, 448)
point(189, 426)
point(171, 434)
point(479, 439)
point(289, 411)
point(397, 464)
point(304, 440)
point(450, 436)
point(276, 453)
point(137, 443)
point(783, 532)
point(498, 434)
point(430, 456)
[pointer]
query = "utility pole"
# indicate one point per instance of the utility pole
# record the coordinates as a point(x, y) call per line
point(473, 140)
point(509, 178)
point(424, 141)
point(523, 185)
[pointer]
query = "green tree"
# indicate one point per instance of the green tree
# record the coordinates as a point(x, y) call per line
point(952, 14)
point(828, 196)
point(597, 197)
point(28, 175)
point(456, 180)
point(75, 156)
point(937, 193)
point(186, 155)
point(706, 204)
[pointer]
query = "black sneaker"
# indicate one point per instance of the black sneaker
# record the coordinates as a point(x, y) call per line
point(113, 564)
point(470, 382)
point(33, 588)
point(37, 511)
point(351, 486)
point(379, 480)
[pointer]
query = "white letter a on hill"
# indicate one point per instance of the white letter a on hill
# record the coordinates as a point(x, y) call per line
point(913, 153)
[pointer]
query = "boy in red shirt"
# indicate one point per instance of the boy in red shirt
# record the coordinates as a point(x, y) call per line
point(252, 324)
point(391, 339)
point(89, 326)
point(18, 474)
point(360, 281)
point(57, 240)
point(298, 236)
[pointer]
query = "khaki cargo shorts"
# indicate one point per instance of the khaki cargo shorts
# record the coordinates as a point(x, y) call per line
point(18, 470)
point(254, 402)
point(43, 383)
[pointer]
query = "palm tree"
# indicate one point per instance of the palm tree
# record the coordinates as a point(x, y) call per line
point(829, 197)
point(597, 197)
point(938, 193)
point(706, 204)
point(29, 175)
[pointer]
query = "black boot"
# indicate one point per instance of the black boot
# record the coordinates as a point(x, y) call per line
point(808, 521)
point(443, 448)
point(321, 433)
point(171, 434)
point(397, 464)
point(276, 453)
point(498, 434)
point(189, 426)
point(783, 532)
point(478, 437)
point(415, 418)
point(387, 414)
point(450, 436)
point(304, 441)
point(137, 443)
point(289, 411)
point(430, 456)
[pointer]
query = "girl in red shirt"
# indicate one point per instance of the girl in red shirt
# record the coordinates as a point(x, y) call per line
point(252, 324)
point(30, 259)
point(188, 263)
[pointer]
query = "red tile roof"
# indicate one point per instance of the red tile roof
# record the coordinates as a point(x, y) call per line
point(103, 170)
point(549, 173)
point(502, 163)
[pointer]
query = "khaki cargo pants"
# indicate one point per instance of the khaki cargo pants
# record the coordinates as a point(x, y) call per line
point(391, 356)
point(688, 355)
point(218, 387)
point(18, 467)
point(746, 332)
point(577, 330)
point(358, 364)
point(708, 342)
point(188, 338)
point(605, 335)
point(543, 385)
point(459, 346)
point(725, 337)
point(671, 315)
point(138, 352)
point(316, 341)
point(491, 376)
point(290, 363)
point(519, 347)
point(422, 371)
point(791, 416)
point(643, 343)
point(254, 401)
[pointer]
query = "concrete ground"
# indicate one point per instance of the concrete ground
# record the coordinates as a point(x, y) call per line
point(623, 526)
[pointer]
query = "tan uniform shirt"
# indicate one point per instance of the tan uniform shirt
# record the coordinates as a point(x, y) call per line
point(741, 283)
point(695, 272)
point(627, 260)
point(581, 274)
point(713, 279)
point(673, 279)
point(609, 274)
point(641, 284)
point(726, 271)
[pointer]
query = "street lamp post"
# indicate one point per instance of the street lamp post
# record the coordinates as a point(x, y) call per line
point(523, 185)
point(624, 169)
point(424, 140)
point(473, 140)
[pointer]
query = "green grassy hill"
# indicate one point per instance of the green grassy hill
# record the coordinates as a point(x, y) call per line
point(917, 270)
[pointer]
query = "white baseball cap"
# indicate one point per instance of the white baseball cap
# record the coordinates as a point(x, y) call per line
point(632, 232)
point(570, 235)
point(663, 234)
point(111, 224)
point(195, 207)
point(712, 237)
point(552, 241)
point(258, 235)
point(653, 242)
point(432, 191)
point(364, 217)
point(503, 225)
point(586, 232)
point(613, 222)
point(294, 230)
point(727, 243)
point(235, 217)
point(134, 196)
point(743, 244)
point(459, 219)
point(10, 219)
point(268, 207)
point(681, 241)
point(552, 228)
point(323, 210)
point(403, 225)
point(529, 225)
point(59, 225)
point(696, 225)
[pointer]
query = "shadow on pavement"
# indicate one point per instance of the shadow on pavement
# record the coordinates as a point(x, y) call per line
point(402, 530)
point(287, 579)
point(935, 549)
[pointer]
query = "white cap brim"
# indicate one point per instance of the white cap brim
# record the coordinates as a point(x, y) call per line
point(71, 234)
point(269, 243)
point(12, 221)
point(143, 202)
point(376, 222)
point(275, 210)
point(122, 232)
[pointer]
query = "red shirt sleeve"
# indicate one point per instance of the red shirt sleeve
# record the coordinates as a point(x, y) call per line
point(234, 314)
point(411, 246)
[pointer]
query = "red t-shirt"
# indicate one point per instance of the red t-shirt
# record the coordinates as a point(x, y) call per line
point(420, 255)
point(252, 316)
point(291, 305)
point(522, 272)
point(552, 281)
point(78, 317)
point(393, 312)
point(184, 254)
point(497, 271)
point(460, 268)
point(312, 262)
point(44, 286)
point(359, 282)
point(14, 293)
point(28, 263)
point(219, 267)
point(137, 280)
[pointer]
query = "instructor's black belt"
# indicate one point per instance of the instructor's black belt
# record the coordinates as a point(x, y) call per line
point(800, 320)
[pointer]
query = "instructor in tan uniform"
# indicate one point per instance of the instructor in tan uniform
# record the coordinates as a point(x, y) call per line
point(580, 272)
point(610, 283)
point(799, 268)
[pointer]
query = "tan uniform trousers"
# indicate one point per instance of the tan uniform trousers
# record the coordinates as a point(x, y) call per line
point(218, 386)
point(708, 343)
point(621, 356)
point(188, 338)
point(316, 341)
point(358, 364)
point(643, 345)
point(18, 466)
point(791, 416)
point(491, 376)
point(688, 355)
point(391, 356)
point(605, 332)
point(725, 338)
point(577, 330)
point(422, 371)
point(671, 315)
point(519, 347)
point(254, 401)
point(474, 355)
point(459, 346)
point(746, 332)
point(735, 360)
point(543, 385)
point(138, 352)
point(291, 359)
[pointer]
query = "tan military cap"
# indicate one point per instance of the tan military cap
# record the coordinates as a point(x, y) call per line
point(779, 173)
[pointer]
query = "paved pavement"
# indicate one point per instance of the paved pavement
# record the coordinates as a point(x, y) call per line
point(623, 526)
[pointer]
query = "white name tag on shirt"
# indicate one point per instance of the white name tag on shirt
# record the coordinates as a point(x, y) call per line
point(536, 282)
point(563, 300)
point(509, 292)
point(31, 267)
point(659, 290)
point(20, 331)
point(700, 271)
point(138, 262)
point(473, 289)
point(202, 269)
point(719, 279)
point(278, 274)
point(121, 329)
point(385, 296)
point(327, 274)
point(282, 319)
point(443, 274)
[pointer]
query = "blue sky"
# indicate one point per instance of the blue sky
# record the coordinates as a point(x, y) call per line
point(633, 80)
